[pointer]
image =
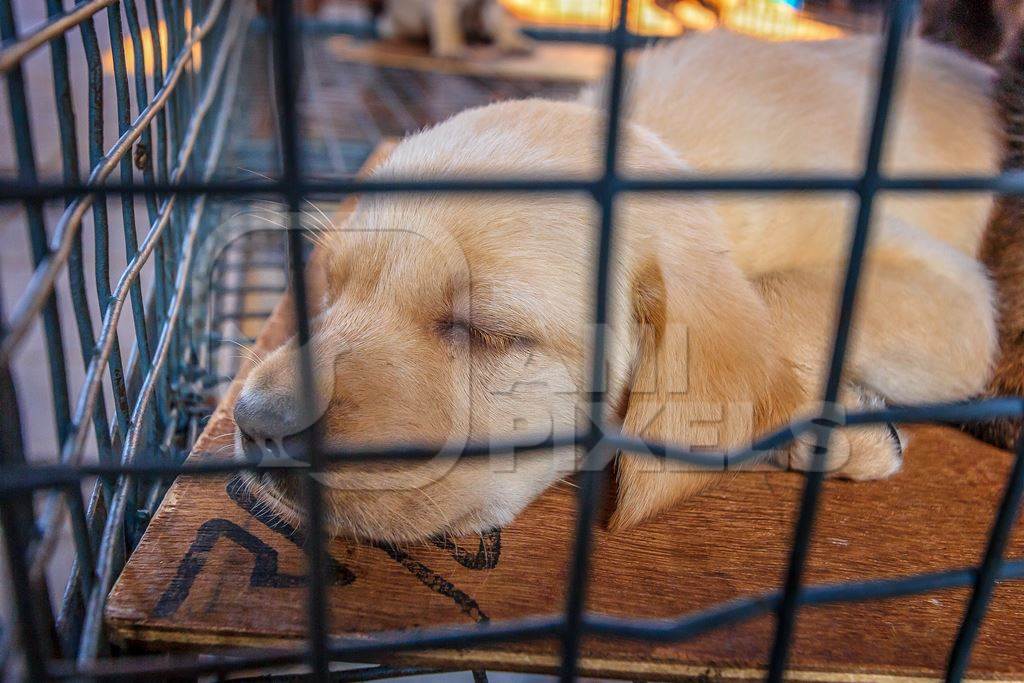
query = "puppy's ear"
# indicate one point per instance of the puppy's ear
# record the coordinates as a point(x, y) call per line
point(706, 374)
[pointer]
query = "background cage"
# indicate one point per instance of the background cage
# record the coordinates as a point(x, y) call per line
point(130, 396)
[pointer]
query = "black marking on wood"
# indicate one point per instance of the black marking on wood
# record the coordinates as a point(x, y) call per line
point(486, 555)
point(264, 569)
point(435, 582)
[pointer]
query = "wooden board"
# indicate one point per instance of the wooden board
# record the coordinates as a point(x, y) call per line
point(210, 573)
point(549, 61)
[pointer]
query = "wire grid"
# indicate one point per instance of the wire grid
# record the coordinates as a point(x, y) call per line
point(175, 190)
point(154, 412)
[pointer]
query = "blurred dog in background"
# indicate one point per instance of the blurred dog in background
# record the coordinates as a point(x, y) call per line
point(447, 25)
point(450, 24)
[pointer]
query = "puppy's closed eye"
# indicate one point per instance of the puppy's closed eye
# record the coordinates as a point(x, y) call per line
point(464, 333)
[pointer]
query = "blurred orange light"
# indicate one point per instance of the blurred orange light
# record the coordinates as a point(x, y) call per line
point(768, 19)
point(148, 45)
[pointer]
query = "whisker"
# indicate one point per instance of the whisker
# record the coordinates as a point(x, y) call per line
point(248, 349)
point(326, 223)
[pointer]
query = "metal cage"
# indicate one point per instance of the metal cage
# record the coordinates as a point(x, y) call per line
point(140, 414)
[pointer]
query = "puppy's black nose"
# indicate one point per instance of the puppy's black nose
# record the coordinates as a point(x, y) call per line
point(272, 425)
point(271, 414)
point(251, 416)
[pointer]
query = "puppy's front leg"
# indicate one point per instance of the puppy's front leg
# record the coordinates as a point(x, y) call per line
point(801, 305)
point(923, 332)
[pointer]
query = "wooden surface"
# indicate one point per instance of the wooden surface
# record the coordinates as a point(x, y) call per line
point(549, 61)
point(210, 573)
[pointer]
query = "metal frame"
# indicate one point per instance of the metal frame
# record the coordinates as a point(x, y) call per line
point(148, 411)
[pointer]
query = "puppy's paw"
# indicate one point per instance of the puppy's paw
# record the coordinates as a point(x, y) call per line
point(857, 453)
point(875, 452)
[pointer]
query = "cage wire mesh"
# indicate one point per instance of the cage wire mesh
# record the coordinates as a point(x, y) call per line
point(128, 397)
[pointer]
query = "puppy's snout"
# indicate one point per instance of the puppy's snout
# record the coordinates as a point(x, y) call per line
point(272, 414)
point(266, 415)
point(256, 449)
point(272, 424)
point(272, 404)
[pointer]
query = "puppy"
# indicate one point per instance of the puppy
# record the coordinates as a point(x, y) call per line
point(448, 23)
point(460, 318)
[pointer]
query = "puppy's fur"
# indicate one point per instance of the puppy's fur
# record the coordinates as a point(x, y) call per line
point(455, 318)
point(448, 23)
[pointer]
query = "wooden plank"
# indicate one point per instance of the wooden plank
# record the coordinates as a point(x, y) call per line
point(210, 573)
point(549, 61)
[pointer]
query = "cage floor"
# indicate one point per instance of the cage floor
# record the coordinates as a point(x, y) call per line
point(213, 570)
point(347, 106)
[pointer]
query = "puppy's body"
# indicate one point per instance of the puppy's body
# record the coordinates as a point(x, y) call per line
point(726, 103)
point(465, 317)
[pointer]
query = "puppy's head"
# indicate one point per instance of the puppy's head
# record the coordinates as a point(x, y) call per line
point(456, 319)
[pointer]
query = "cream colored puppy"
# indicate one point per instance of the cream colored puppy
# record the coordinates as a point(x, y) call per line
point(454, 319)
point(447, 24)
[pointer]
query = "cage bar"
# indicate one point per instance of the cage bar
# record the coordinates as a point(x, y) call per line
point(136, 454)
